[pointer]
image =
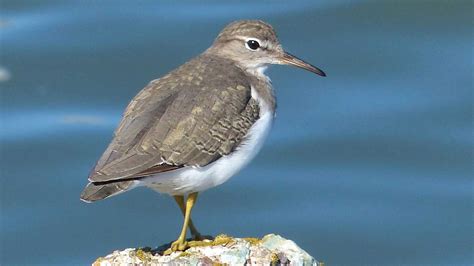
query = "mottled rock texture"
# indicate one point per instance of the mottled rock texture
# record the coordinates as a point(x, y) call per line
point(223, 250)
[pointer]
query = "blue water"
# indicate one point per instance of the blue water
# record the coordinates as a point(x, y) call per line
point(371, 165)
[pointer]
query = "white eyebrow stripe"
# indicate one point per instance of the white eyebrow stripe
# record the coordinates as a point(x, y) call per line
point(246, 39)
point(252, 38)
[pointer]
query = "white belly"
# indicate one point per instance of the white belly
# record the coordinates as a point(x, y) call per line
point(196, 179)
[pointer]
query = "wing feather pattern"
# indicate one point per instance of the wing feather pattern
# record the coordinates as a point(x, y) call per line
point(190, 117)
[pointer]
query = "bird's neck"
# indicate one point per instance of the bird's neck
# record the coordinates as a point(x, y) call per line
point(263, 86)
point(258, 72)
point(256, 75)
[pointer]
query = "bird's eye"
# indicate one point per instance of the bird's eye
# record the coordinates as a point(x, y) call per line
point(252, 45)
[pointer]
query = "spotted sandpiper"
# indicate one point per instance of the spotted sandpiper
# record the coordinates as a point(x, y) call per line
point(197, 126)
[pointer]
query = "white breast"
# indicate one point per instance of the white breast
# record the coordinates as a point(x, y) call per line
point(196, 179)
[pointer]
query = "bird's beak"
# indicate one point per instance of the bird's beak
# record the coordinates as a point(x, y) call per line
point(289, 59)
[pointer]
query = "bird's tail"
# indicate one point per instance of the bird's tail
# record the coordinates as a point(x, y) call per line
point(94, 192)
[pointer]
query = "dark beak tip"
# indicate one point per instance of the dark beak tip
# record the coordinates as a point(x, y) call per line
point(289, 59)
point(320, 72)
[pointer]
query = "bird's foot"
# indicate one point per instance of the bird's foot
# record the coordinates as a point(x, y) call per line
point(179, 245)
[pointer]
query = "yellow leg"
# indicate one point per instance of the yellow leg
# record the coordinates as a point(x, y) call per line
point(194, 232)
point(181, 243)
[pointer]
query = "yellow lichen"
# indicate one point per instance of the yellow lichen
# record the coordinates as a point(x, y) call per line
point(142, 255)
point(218, 241)
point(275, 259)
point(222, 239)
point(184, 254)
point(252, 240)
point(98, 261)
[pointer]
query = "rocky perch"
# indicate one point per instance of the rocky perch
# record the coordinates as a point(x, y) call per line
point(223, 250)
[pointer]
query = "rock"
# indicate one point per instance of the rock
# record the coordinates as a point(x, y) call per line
point(270, 250)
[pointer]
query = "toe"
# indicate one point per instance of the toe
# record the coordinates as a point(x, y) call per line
point(182, 246)
point(178, 245)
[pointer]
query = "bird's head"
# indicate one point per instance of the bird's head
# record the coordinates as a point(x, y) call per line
point(253, 44)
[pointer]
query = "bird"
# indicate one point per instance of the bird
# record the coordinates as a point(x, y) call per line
point(197, 126)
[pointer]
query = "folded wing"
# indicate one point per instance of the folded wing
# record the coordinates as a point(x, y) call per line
point(180, 120)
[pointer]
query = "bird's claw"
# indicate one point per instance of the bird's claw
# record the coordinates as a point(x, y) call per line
point(178, 245)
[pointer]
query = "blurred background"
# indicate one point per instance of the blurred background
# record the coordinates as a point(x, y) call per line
point(371, 165)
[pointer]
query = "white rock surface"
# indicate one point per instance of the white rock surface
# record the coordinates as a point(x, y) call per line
point(270, 250)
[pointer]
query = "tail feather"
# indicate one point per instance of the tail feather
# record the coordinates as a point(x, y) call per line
point(94, 192)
